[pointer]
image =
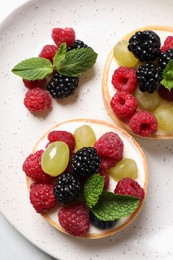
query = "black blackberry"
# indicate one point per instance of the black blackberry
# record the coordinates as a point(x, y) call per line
point(145, 45)
point(165, 57)
point(67, 188)
point(76, 45)
point(62, 86)
point(100, 223)
point(85, 161)
point(149, 76)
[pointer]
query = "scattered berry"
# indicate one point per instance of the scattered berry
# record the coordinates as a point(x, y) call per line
point(100, 223)
point(62, 86)
point(76, 45)
point(143, 123)
point(165, 57)
point(74, 219)
point(149, 77)
point(145, 45)
point(168, 44)
point(67, 188)
point(165, 93)
point(37, 100)
point(34, 83)
point(106, 179)
point(123, 104)
point(48, 52)
point(60, 35)
point(32, 168)
point(130, 187)
point(124, 79)
point(42, 197)
point(110, 148)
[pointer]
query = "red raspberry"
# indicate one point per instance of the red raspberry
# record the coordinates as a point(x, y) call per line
point(106, 179)
point(32, 168)
point(75, 219)
point(130, 187)
point(143, 123)
point(64, 136)
point(37, 99)
point(124, 79)
point(168, 44)
point(34, 83)
point(60, 35)
point(165, 93)
point(48, 52)
point(123, 104)
point(42, 197)
point(110, 148)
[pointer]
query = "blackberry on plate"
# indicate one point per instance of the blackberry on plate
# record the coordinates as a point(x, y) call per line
point(76, 45)
point(100, 223)
point(165, 57)
point(85, 161)
point(67, 188)
point(62, 86)
point(145, 45)
point(149, 76)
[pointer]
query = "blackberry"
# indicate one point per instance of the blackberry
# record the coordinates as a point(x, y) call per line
point(67, 188)
point(76, 45)
point(62, 86)
point(100, 223)
point(145, 45)
point(165, 57)
point(149, 76)
point(85, 161)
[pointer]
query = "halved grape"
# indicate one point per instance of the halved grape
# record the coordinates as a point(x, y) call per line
point(127, 167)
point(55, 158)
point(164, 116)
point(123, 56)
point(84, 137)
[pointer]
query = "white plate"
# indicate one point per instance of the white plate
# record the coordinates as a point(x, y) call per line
point(100, 24)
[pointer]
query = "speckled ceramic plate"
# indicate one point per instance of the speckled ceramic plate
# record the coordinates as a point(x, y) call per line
point(100, 24)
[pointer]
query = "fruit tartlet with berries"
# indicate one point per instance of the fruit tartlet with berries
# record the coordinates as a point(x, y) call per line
point(56, 72)
point(138, 82)
point(87, 178)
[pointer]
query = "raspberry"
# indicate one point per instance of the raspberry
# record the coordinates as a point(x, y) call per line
point(110, 148)
point(37, 100)
point(48, 52)
point(130, 187)
point(123, 104)
point(64, 136)
point(34, 83)
point(165, 93)
point(60, 35)
point(143, 123)
point(106, 179)
point(124, 79)
point(42, 197)
point(168, 44)
point(32, 168)
point(74, 219)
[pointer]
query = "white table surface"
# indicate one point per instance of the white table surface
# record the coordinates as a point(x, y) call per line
point(12, 244)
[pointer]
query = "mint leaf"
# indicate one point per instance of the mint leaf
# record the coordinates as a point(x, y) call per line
point(167, 80)
point(60, 55)
point(114, 206)
point(76, 62)
point(93, 189)
point(33, 68)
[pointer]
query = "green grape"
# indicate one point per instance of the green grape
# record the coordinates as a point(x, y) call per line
point(125, 168)
point(164, 116)
point(123, 56)
point(84, 137)
point(146, 100)
point(55, 158)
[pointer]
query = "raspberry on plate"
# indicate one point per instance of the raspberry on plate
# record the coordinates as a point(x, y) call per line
point(42, 197)
point(75, 219)
point(168, 44)
point(124, 79)
point(130, 187)
point(60, 35)
point(123, 104)
point(143, 123)
point(37, 100)
point(165, 93)
point(34, 83)
point(48, 52)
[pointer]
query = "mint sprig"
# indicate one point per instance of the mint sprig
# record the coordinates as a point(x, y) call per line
point(68, 63)
point(167, 77)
